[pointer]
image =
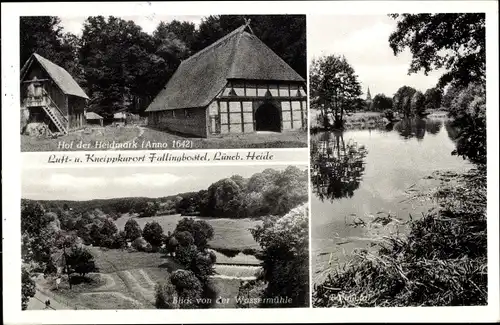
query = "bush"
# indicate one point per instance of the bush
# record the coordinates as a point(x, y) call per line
point(141, 245)
point(166, 296)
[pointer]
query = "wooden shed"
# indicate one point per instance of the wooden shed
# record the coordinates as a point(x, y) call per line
point(236, 85)
point(94, 118)
point(50, 95)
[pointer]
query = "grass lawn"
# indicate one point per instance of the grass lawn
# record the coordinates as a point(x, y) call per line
point(144, 135)
point(108, 133)
point(228, 233)
point(114, 260)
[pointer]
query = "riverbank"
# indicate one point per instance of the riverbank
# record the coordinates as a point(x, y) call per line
point(441, 261)
point(366, 120)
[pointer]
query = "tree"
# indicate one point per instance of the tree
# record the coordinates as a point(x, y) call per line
point(153, 233)
point(401, 102)
point(223, 198)
point(119, 240)
point(433, 98)
point(172, 244)
point(123, 66)
point(44, 35)
point(149, 210)
point(451, 93)
point(185, 254)
point(189, 288)
point(108, 228)
point(417, 103)
point(184, 31)
point(381, 102)
point(469, 112)
point(132, 229)
point(455, 41)
point(80, 260)
point(284, 242)
point(200, 231)
point(334, 88)
point(203, 265)
point(95, 235)
point(28, 289)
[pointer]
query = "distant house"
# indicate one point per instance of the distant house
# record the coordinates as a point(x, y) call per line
point(50, 95)
point(235, 85)
point(94, 119)
point(120, 118)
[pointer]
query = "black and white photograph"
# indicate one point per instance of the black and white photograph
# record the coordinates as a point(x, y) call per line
point(165, 238)
point(163, 82)
point(398, 160)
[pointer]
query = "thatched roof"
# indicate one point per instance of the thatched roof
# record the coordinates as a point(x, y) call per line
point(238, 55)
point(61, 77)
point(93, 116)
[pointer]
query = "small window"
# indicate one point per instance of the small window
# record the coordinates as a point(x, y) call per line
point(173, 114)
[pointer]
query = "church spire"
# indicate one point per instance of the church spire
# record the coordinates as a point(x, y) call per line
point(368, 95)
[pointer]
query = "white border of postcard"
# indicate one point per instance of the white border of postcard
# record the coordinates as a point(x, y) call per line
point(11, 161)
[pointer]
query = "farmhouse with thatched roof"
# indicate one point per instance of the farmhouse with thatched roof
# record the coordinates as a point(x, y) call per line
point(50, 95)
point(235, 85)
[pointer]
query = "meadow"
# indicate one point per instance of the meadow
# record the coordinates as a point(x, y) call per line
point(228, 233)
point(126, 280)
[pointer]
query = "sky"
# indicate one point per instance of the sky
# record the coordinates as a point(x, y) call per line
point(364, 41)
point(102, 183)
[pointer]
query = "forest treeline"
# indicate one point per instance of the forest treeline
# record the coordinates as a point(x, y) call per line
point(121, 66)
point(270, 192)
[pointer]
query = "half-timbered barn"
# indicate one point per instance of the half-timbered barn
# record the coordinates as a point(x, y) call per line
point(235, 85)
point(50, 95)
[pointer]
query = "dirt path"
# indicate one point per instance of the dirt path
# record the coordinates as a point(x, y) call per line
point(38, 303)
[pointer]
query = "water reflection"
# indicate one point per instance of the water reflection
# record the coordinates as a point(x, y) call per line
point(416, 127)
point(337, 167)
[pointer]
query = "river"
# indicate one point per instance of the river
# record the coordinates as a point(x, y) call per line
point(358, 175)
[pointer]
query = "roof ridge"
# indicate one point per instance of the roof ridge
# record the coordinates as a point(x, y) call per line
point(233, 55)
point(236, 31)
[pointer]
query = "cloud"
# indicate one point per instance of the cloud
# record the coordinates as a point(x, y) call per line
point(58, 181)
point(145, 180)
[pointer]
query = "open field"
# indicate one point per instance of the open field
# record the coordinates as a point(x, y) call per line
point(228, 233)
point(143, 136)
